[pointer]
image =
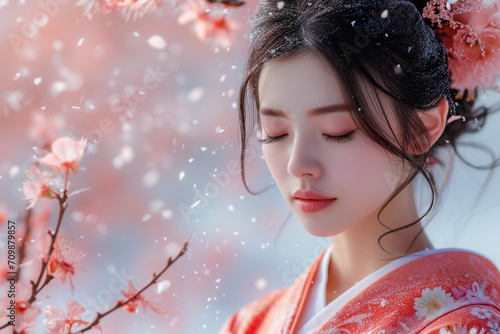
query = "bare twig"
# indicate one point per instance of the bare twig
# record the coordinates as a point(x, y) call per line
point(121, 303)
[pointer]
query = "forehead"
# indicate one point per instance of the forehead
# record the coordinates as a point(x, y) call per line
point(302, 82)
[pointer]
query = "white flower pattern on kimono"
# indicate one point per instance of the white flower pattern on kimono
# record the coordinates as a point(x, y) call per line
point(433, 303)
point(481, 313)
point(494, 327)
point(460, 329)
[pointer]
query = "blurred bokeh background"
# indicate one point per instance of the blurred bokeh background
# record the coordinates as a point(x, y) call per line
point(151, 156)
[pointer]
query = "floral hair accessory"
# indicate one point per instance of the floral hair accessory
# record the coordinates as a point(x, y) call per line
point(470, 31)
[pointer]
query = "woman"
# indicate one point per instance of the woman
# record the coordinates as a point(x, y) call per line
point(353, 100)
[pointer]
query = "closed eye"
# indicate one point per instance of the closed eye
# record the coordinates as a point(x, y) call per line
point(338, 139)
point(341, 139)
point(269, 139)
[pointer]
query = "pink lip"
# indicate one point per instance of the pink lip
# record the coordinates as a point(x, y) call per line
point(310, 202)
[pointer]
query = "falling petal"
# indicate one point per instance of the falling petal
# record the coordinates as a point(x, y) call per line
point(157, 42)
point(167, 214)
point(150, 179)
point(196, 94)
point(261, 283)
point(162, 286)
point(13, 171)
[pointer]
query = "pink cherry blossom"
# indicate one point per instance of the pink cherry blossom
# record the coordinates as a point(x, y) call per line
point(128, 8)
point(58, 323)
point(132, 305)
point(62, 260)
point(66, 154)
point(103, 6)
point(208, 23)
point(470, 31)
point(45, 128)
point(37, 187)
point(222, 31)
point(26, 314)
point(193, 10)
point(138, 8)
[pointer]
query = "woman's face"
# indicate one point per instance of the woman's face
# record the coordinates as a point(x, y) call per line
point(319, 149)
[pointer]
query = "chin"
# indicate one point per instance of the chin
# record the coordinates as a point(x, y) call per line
point(319, 231)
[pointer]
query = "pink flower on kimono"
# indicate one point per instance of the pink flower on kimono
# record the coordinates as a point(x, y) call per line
point(62, 260)
point(66, 154)
point(471, 35)
point(26, 313)
point(132, 305)
point(58, 323)
point(206, 24)
point(433, 303)
point(474, 295)
point(37, 187)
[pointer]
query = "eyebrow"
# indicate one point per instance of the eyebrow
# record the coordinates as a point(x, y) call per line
point(313, 112)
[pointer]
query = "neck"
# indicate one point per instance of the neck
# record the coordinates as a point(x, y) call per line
point(356, 252)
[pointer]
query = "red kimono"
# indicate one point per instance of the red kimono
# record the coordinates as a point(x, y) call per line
point(434, 292)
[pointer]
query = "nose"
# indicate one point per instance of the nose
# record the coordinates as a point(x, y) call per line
point(304, 160)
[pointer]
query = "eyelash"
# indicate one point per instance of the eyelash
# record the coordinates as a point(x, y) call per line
point(338, 139)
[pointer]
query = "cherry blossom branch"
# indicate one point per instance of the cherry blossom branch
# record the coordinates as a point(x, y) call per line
point(121, 303)
point(22, 249)
point(35, 287)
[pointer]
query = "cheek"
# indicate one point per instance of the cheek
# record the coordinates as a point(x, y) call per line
point(276, 161)
point(368, 169)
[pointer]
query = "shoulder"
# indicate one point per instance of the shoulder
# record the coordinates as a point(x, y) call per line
point(474, 292)
point(431, 293)
point(461, 294)
point(252, 315)
point(462, 266)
